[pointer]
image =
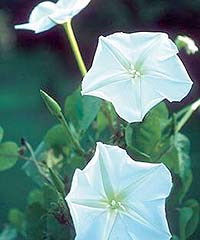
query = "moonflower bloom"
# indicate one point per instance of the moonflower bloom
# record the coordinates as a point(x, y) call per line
point(47, 14)
point(115, 197)
point(135, 72)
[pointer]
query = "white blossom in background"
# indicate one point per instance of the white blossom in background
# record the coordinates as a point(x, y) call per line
point(187, 43)
point(47, 14)
point(115, 197)
point(135, 72)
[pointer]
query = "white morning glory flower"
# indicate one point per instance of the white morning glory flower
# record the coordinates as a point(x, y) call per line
point(47, 14)
point(115, 197)
point(187, 43)
point(135, 72)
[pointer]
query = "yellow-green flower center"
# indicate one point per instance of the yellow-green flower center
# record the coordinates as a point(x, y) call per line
point(116, 205)
point(135, 73)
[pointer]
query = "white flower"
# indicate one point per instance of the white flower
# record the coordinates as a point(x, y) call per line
point(47, 14)
point(135, 72)
point(187, 43)
point(115, 197)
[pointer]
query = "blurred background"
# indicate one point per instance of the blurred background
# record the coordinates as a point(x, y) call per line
point(29, 62)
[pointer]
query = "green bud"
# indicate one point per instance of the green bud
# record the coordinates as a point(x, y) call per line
point(51, 104)
point(187, 43)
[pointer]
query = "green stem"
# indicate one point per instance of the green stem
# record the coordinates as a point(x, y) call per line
point(70, 135)
point(106, 109)
point(68, 28)
point(28, 146)
point(188, 114)
point(56, 110)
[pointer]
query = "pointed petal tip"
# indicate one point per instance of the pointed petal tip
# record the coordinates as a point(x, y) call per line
point(24, 26)
point(100, 146)
point(20, 26)
point(67, 198)
point(102, 39)
point(17, 27)
point(132, 118)
point(189, 83)
point(83, 92)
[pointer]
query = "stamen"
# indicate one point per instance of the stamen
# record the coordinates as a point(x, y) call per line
point(133, 72)
point(116, 205)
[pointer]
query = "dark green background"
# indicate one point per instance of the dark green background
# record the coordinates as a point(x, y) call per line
point(29, 62)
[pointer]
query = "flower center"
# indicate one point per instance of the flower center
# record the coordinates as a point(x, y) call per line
point(133, 72)
point(115, 205)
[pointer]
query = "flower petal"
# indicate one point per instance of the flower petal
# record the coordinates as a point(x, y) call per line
point(135, 187)
point(91, 217)
point(39, 20)
point(89, 223)
point(143, 229)
point(169, 78)
point(67, 9)
point(149, 96)
point(81, 186)
point(27, 26)
point(121, 231)
point(113, 160)
point(84, 201)
point(79, 5)
point(140, 45)
point(155, 220)
point(105, 69)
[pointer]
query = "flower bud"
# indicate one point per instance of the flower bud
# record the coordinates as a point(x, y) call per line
point(51, 104)
point(187, 43)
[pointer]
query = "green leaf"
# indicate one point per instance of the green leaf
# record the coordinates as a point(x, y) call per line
point(178, 160)
point(16, 218)
point(56, 137)
point(192, 223)
point(35, 222)
point(50, 196)
point(174, 237)
point(57, 230)
point(1, 134)
point(182, 145)
point(144, 136)
point(138, 154)
point(8, 233)
point(72, 164)
point(8, 155)
point(102, 122)
point(185, 216)
point(36, 196)
point(81, 110)
point(49, 154)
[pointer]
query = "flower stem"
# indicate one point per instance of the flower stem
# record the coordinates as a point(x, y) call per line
point(29, 148)
point(56, 110)
point(70, 135)
point(74, 45)
point(188, 114)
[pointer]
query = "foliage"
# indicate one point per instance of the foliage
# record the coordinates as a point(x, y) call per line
point(8, 153)
point(153, 140)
